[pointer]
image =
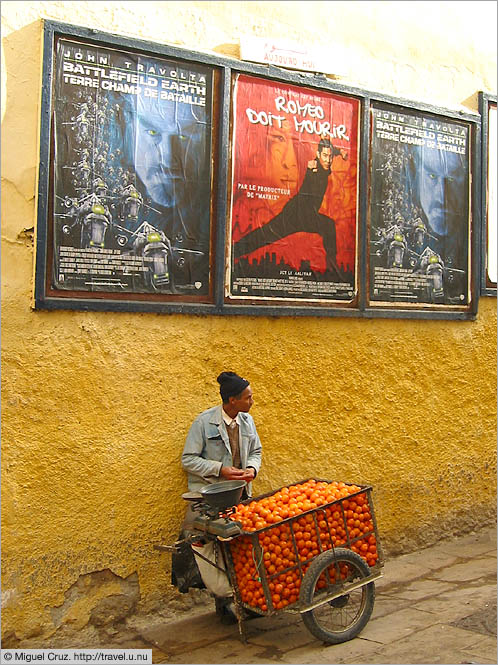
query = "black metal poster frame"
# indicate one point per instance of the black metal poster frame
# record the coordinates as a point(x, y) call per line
point(419, 213)
point(486, 101)
point(192, 296)
point(293, 216)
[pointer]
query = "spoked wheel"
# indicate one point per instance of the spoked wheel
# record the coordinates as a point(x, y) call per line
point(342, 618)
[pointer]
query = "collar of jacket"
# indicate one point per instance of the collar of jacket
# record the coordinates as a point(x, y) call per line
point(216, 418)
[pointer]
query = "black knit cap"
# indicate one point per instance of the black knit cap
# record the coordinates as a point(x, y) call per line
point(231, 384)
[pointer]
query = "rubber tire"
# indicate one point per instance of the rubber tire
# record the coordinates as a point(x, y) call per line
point(307, 594)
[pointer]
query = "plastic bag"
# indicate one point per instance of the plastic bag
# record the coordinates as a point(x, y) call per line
point(215, 580)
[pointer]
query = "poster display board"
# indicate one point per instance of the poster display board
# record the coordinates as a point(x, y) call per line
point(175, 181)
point(131, 173)
point(294, 193)
point(419, 209)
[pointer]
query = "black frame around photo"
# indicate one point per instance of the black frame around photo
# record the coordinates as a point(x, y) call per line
point(486, 103)
point(419, 209)
point(128, 190)
point(294, 210)
point(131, 272)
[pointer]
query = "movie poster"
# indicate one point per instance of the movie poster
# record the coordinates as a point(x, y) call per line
point(294, 193)
point(132, 172)
point(419, 209)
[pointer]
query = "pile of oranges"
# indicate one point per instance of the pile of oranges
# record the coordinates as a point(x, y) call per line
point(286, 548)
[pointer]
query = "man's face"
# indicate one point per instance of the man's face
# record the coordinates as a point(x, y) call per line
point(282, 168)
point(441, 181)
point(242, 402)
point(325, 158)
point(163, 145)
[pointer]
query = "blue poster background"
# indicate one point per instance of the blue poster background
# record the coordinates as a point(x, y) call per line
point(419, 209)
point(132, 172)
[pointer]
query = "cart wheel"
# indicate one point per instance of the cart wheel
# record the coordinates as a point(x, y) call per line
point(342, 618)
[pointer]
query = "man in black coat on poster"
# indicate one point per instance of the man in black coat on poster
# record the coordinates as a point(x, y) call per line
point(300, 213)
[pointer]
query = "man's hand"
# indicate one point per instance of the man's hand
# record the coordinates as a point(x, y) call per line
point(313, 165)
point(344, 153)
point(250, 474)
point(232, 473)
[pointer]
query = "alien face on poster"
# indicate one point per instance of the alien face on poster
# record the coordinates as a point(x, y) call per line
point(132, 172)
point(419, 209)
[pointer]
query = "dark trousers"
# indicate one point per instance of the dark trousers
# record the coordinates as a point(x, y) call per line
point(291, 221)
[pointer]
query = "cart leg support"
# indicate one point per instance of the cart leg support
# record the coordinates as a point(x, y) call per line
point(239, 612)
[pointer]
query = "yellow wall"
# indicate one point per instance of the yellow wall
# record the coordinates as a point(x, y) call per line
point(95, 406)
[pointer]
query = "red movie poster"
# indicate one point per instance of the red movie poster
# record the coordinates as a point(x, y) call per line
point(294, 192)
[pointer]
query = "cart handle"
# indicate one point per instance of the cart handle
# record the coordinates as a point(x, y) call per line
point(344, 590)
point(166, 548)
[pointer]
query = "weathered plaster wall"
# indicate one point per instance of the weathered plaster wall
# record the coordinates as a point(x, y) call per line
point(95, 406)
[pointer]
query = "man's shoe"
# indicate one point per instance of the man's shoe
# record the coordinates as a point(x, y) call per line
point(252, 615)
point(225, 611)
point(228, 618)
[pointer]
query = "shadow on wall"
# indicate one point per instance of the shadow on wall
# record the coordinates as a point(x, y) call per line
point(231, 50)
point(20, 123)
point(472, 102)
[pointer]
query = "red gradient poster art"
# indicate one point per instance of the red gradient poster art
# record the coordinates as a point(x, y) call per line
point(294, 192)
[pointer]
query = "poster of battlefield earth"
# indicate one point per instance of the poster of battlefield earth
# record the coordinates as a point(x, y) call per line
point(132, 172)
point(491, 210)
point(419, 209)
point(293, 231)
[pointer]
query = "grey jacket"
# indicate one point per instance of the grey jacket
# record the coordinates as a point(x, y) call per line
point(207, 448)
